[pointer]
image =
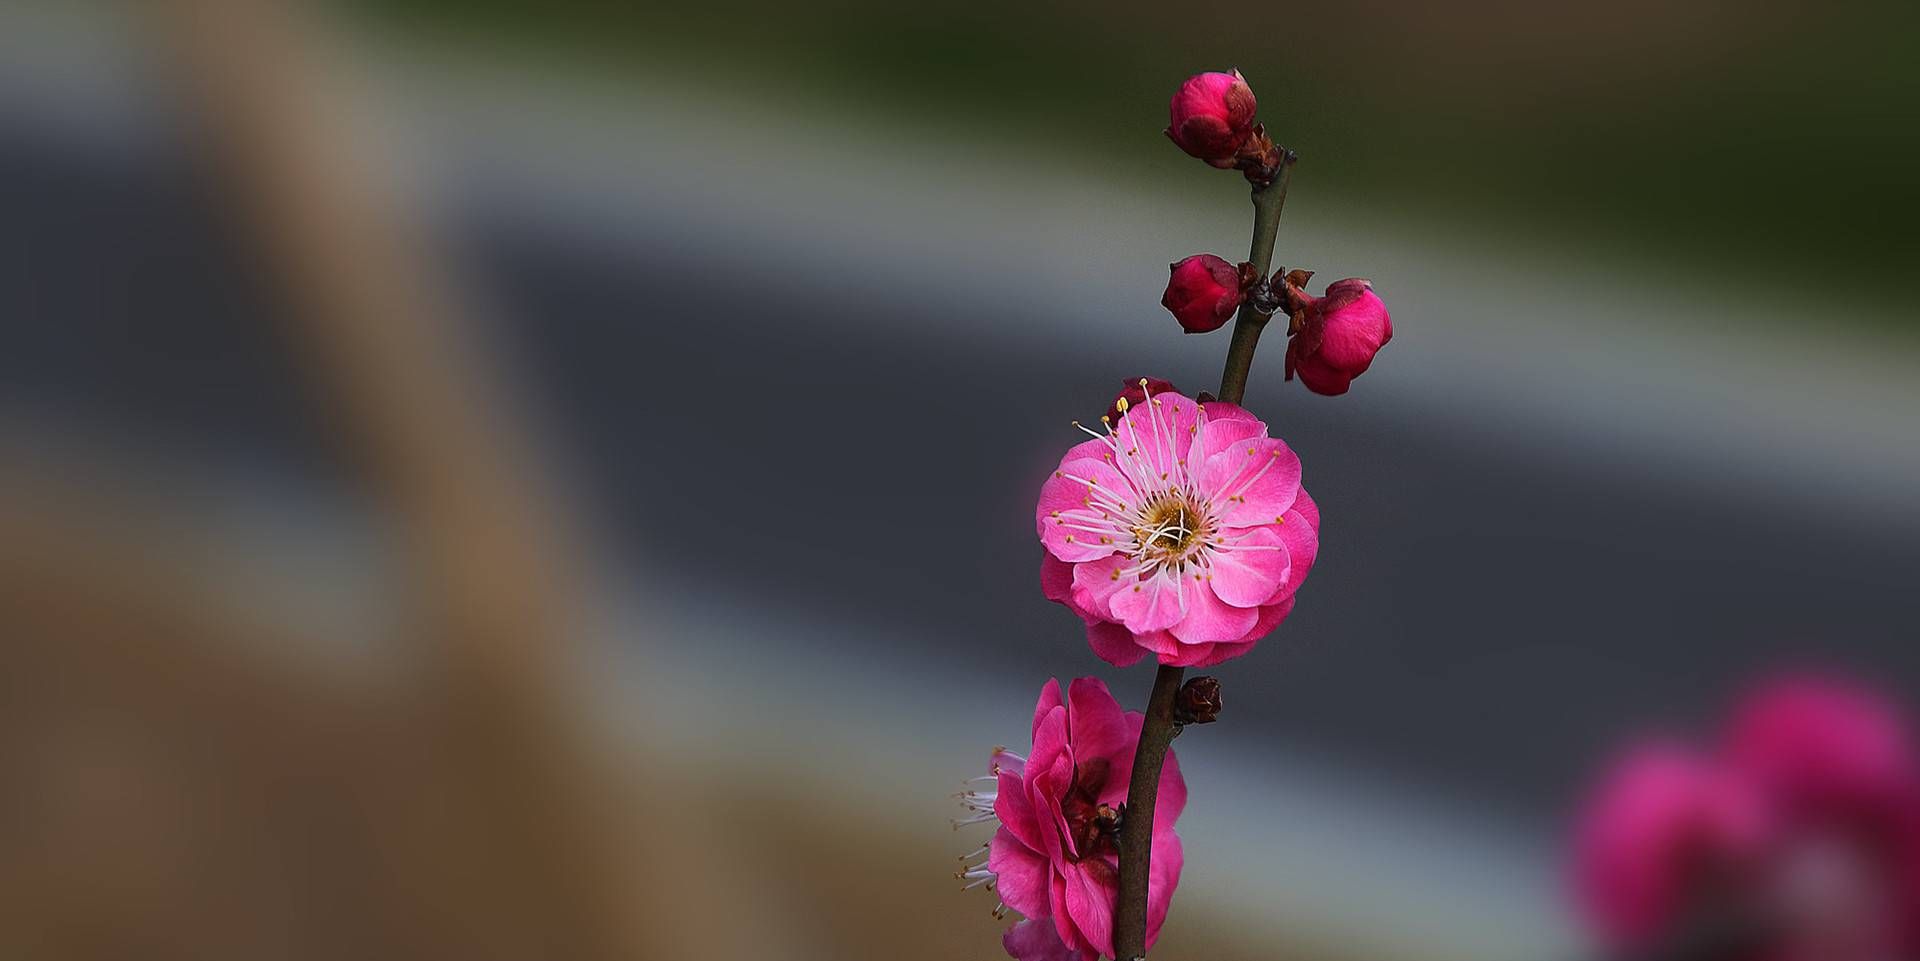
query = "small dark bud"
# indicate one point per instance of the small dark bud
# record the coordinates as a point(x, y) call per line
point(1264, 297)
point(1206, 397)
point(1106, 818)
point(1198, 701)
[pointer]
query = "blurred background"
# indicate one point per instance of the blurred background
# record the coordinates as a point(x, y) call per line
point(457, 459)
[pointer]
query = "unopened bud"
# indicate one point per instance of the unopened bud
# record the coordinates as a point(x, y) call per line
point(1203, 291)
point(1198, 701)
point(1337, 335)
point(1211, 116)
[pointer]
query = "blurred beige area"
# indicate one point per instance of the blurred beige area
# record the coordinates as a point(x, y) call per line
point(212, 751)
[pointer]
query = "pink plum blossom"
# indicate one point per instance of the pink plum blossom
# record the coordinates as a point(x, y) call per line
point(1807, 819)
point(1338, 335)
point(1663, 827)
point(1211, 116)
point(1181, 532)
point(1202, 293)
point(1051, 857)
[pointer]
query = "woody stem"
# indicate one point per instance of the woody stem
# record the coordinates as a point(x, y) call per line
point(1157, 730)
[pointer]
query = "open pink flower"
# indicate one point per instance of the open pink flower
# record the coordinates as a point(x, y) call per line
point(1182, 532)
point(1051, 858)
point(1808, 820)
point(1661, 832)
point(1827, 749)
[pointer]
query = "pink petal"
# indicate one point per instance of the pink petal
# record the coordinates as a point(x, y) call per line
point(1303, 547)
point(1022, 873)
point(1252, 483)
point(1015, 811)
point(1092, 888)
point(1114, 644)
point(1062, 924)
point(1172, 798)
point(1044, 791)
point(1210, 619)
point(1191, 655)
point(1151, 604)
point(1096, 725)
point(1226, 425)
point(1207, 655)
point(1227, 410)
point(1171, 802)
point(1036, 940)
point(1096, 582)
point(1307, 509)
point(1072, 517)
point(1056, 581)
point(1161, 643)
point(1250, 567)
point(1320, 376)
point(1049, 699)
point(1271, 616)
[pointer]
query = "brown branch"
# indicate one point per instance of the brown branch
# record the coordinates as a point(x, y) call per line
point(1157, 730)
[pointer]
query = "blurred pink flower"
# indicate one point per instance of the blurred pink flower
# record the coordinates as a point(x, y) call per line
point(1050, 858)
point(1203, 291)
point(1663, 827)
point(1339, 334)
point(1182, 532)
point(1211, 116)
point(1809, 820)
point(1826, 749)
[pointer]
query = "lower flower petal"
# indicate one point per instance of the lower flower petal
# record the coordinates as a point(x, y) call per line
point(1036, 940)
point(1021, 873)
point(1150, 604)
point(1163, 876)
point(1114, 644)
point(1092, 888)
point(1210, 619)
point(1248, 569)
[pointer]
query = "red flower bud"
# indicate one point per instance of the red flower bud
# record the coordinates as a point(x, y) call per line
point(1211, 116)
point(1135, 395)
point(1337, 336)
point(1202, 293)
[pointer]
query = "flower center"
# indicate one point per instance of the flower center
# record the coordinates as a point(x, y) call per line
point(1090, 825)
point(1171, 528)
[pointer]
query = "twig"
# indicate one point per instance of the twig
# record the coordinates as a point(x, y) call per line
point(1156, 731)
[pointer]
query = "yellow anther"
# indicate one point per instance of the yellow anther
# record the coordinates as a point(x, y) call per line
point(1120, 405)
